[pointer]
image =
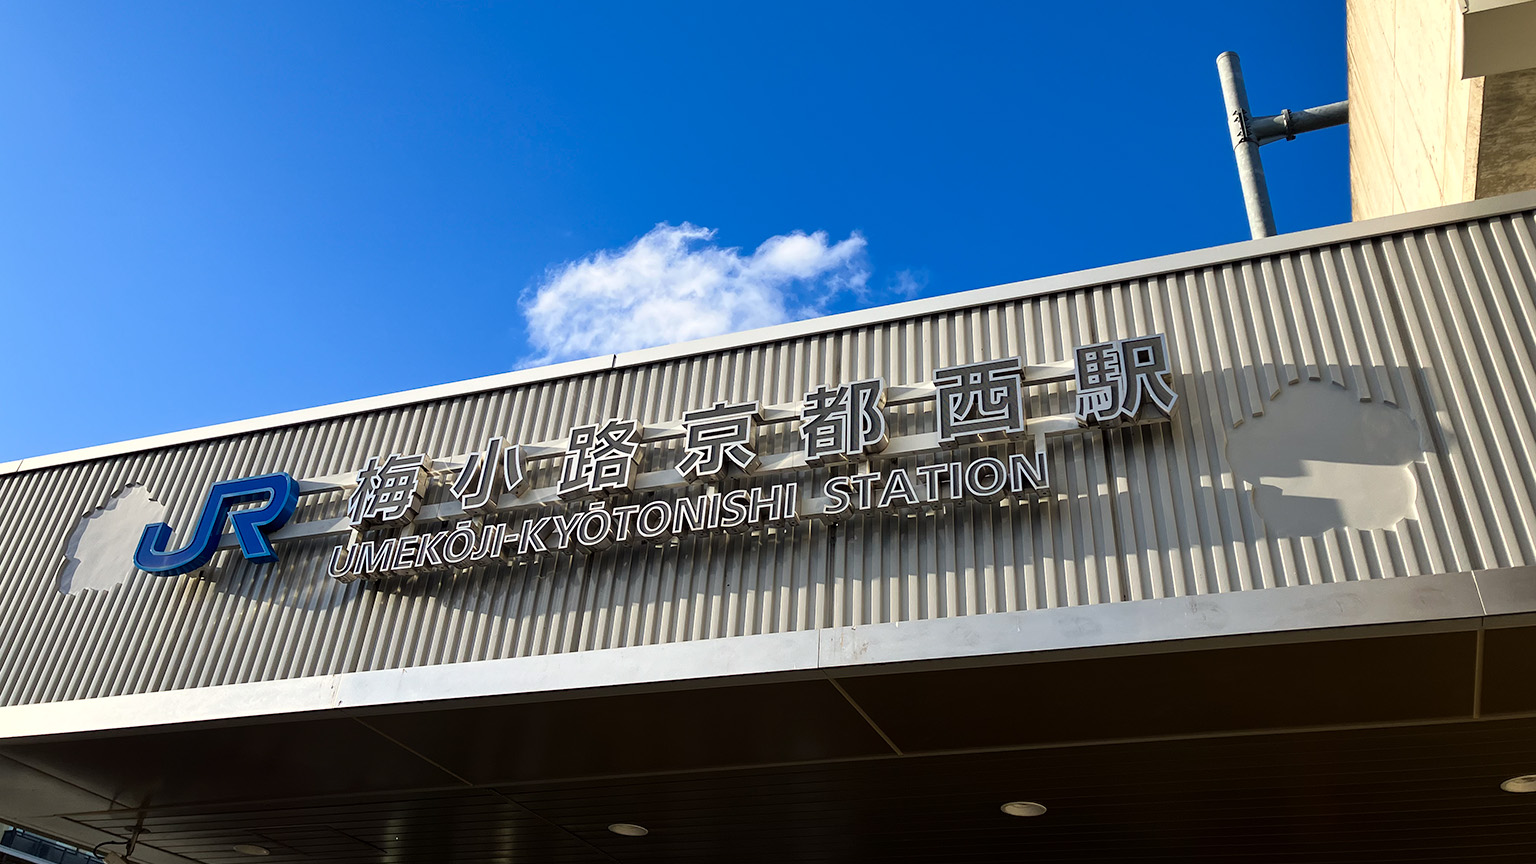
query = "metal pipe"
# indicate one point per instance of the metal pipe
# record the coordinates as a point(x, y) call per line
point(1250, 171)
point(1288, 124)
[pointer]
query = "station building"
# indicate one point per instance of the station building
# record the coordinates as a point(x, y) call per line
point(1226, 555)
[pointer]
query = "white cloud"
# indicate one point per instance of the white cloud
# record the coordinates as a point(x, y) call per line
point(673, 284)
point(909, 283)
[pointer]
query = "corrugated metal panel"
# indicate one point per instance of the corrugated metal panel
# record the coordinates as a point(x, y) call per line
point(1440, 322)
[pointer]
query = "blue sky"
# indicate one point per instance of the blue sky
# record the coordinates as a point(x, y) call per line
point(213, 211)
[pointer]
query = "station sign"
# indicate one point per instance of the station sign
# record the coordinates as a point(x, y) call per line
point(603, 495)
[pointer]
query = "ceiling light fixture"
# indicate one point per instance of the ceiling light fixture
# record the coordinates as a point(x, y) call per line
point(250, 849)
point(628, 829)
point(1523, 783)
point(1023, 808)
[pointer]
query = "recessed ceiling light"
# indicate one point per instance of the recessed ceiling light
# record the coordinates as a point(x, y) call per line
point(1023, 808)
point(251, 849)
point(1523, 783)
point(628, 829)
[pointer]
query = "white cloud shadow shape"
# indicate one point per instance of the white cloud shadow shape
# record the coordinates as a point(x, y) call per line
point(673, 284)
point(100, 550)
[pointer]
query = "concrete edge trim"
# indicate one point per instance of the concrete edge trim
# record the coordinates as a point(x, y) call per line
point(309, 415)
point(1298, 613)
point(1414, 604)
point(1078, 280)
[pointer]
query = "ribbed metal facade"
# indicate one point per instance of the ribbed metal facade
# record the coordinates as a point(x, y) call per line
point(1440, 322)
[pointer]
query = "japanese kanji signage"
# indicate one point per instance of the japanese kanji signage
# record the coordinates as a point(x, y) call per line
point(844, 423)
point(1114, 379)
point(597, 498)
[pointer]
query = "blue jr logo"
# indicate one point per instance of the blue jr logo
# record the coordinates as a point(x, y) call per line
point(281, 494)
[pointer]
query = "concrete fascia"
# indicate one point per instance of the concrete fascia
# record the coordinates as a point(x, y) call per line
point(1437, 603)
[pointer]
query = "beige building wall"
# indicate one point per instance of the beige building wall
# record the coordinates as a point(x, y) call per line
point(1419, 134)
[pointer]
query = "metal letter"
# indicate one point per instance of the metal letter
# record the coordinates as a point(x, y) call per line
point(980, 400)
point(390, 493)
point(717, 434)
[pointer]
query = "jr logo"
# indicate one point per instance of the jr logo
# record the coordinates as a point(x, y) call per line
point(279, 491)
